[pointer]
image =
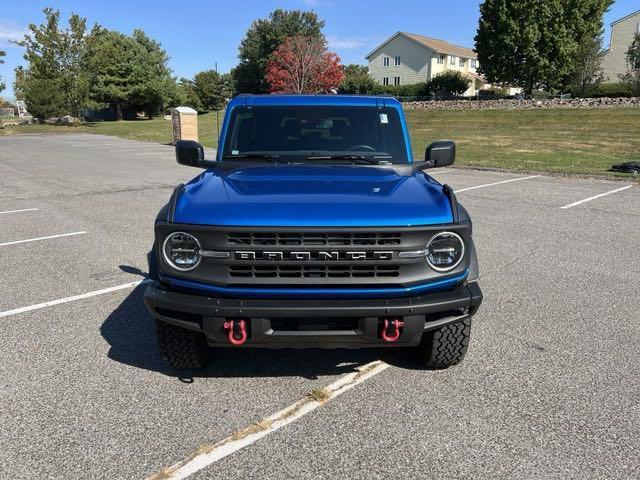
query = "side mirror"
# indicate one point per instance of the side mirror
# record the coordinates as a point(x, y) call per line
point(190, 153)
point(440, 154)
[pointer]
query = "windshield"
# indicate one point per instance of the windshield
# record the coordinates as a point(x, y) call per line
point(331, 134)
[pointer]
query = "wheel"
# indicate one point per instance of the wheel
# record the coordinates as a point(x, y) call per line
point(445, 346)
point(182, 348)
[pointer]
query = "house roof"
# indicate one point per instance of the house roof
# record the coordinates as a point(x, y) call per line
point(626, 17)
point(438, 46)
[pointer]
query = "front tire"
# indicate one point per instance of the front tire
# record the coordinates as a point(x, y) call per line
point(182, 348)
point(445, 346)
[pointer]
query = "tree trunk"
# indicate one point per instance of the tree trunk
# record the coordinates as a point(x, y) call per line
point(118, 108)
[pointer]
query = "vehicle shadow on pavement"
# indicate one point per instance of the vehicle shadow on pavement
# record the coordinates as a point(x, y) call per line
point(130, 331)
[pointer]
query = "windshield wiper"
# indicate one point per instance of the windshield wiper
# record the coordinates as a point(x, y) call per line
point(273, 157)
point(355, 158)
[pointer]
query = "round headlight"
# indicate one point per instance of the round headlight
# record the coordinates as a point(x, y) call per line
point(182, 251)
point(445, 251)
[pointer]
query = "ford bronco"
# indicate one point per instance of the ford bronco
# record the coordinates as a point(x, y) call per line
point(313, 227)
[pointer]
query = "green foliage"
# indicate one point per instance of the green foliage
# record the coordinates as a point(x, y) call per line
point(56, 59)
point(45, 98)
point(212, 89)
point(128, 71)
point(357, 80)
point(612, 90)
point(449, 84)
point(409, 90)
point(493, 93)
point(588, 73)
point(186, 95)
point(89, 69)
point(632, 78)
point(263, 38)
point(533, 43)
point(2, 54)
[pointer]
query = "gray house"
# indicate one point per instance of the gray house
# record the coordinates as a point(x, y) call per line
point(622, 34)
point(407, 58)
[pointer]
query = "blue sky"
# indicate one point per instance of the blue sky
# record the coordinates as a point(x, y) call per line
point(196, 34)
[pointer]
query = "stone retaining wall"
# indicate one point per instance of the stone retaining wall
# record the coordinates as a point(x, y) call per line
point(523, 104)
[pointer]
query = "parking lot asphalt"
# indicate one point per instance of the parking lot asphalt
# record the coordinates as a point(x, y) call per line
point(549, 388)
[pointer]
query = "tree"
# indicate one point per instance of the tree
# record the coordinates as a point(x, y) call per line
point(588, 73)
point(212, 89)
point(263, 38)
point(2, 54)
point(56, 60)
point(533, 43)
point(303, 65)
point(157, 83)
point(188, 95)
point(448, 84)
point(357, 80)
point(632, 78)
point(128, 72)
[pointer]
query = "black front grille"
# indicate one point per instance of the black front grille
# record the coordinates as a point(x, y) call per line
point(313, 238)
point(314, 271)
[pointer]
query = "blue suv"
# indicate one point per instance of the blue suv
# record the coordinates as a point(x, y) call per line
point(314, 227)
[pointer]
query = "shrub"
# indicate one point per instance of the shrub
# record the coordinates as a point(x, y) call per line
point(409, 90)
point(494, 93)
point(613, 90)
point(449, 84)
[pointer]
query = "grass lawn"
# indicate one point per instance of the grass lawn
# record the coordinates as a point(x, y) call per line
point(156, 130)
point(570, 141)
point(560, 140)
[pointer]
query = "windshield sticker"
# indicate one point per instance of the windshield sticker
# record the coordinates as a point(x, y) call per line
point(384, 118)
point(235, 152)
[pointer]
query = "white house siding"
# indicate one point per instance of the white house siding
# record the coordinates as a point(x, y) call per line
point(415, 61)
point(622, 33)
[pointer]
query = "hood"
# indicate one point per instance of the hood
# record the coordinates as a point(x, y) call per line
point(312, 196)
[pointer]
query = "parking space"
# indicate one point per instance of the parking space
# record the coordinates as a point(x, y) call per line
point(549, 387)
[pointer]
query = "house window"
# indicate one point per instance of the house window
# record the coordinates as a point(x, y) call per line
point(397, 60)
point(461, 62)
point(474, 63)
point(440, 59)
point(385, 81)
point(385, 61)
point(396, 80)
point(452, 59)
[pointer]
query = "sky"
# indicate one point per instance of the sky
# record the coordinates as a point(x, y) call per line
point(197, 34)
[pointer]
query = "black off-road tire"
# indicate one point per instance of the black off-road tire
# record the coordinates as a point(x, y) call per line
point(445, 346)
point(183, 349)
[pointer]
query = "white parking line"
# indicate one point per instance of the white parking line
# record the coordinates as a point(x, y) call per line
point(448, 170)
point(580, 202)
point(41, 238)
point(209, 454)
point(38, 306)
point(18, 211)
point(496, 183)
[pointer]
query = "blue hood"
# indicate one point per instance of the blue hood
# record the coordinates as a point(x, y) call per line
point(312, 196)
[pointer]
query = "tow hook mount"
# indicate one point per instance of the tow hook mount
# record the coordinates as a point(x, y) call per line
point(391, 329)
point(236, 331)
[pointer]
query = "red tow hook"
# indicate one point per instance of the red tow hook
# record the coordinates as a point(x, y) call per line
point(231, 326)
point(395, 330)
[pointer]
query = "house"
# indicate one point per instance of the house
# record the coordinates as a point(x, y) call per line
point(407, 58)
point(623, 31)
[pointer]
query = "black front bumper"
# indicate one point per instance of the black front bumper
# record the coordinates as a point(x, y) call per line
point(327, 323)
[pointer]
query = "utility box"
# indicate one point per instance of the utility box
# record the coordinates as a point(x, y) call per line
point(184, 124)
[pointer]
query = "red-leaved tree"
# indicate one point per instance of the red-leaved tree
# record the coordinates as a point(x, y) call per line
point(303, 65)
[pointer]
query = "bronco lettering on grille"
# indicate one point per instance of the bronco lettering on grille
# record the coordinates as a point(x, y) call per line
point(322, 256)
